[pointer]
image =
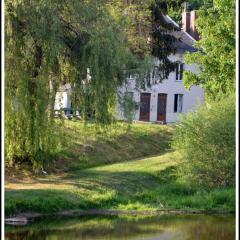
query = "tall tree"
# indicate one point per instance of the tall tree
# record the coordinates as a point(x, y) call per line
point(177, 7)
point(47, 45)
point(150, 32)
point(32, 43)
point(88, 44)
point(163, 42)
point(215, 59)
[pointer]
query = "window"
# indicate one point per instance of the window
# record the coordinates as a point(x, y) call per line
point(155, 75)
point(129, 75)
point(178, 102)
point(148, 79)
point(146, 82)
point(179, 71)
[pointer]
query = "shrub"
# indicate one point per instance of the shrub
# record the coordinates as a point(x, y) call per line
point(205, 139)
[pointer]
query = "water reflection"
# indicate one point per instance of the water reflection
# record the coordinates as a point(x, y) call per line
point(187, 227)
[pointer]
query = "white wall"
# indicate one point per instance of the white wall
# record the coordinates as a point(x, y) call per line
point(191, 98)
point(169, 86)
point(62, 100)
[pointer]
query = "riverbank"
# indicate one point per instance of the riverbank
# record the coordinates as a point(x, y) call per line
point(170, 226)
point(25, 218)
point(142, 184)
point(147, 184)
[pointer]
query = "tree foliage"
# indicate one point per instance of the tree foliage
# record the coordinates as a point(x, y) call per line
point(45, 48)
point(31, 46)
point(162, 40)
point(91, 45)
point(149, 32)
point(216, 56)
point(197, 4)
point(49, 44)
point(176, 8)
point(206, 141)
point(206, 138)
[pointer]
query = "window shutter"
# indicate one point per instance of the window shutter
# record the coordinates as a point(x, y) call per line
point(175, 102)
point(181, 71)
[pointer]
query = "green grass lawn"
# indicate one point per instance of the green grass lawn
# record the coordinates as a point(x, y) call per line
point(144, 183)
point(87, 146)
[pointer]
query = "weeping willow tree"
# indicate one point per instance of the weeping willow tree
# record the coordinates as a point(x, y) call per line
point(32, 45)
point(91, 45)
point(125, 39)
point(47, 45)
point(97, 59)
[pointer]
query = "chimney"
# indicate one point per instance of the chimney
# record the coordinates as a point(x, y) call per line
point(193, 30)
point(188, 22)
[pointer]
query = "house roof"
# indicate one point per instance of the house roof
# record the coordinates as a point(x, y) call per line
point(185, 41)
point(183, 47)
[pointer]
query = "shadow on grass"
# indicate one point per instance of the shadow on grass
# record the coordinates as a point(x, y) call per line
point(86, 190)
point(46, 201)
point(91, 189)
point(82, 151)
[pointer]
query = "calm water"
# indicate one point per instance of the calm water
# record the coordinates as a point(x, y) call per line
point(187, 227)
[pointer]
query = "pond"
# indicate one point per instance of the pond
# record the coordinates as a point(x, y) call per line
point(165, 227)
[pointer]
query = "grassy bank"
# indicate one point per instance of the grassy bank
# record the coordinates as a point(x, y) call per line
point(149, 183)
point(88, 146)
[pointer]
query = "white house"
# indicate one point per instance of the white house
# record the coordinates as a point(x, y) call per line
point(63, 99)
point(165, 101)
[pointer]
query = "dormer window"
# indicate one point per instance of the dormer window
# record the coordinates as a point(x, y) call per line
point(179, 71)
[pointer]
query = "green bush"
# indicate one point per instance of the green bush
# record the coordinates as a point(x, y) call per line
point(205, 139)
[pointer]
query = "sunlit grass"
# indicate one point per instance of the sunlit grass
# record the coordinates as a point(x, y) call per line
point(120, 167)
point(88, 145)
point(147, 184)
